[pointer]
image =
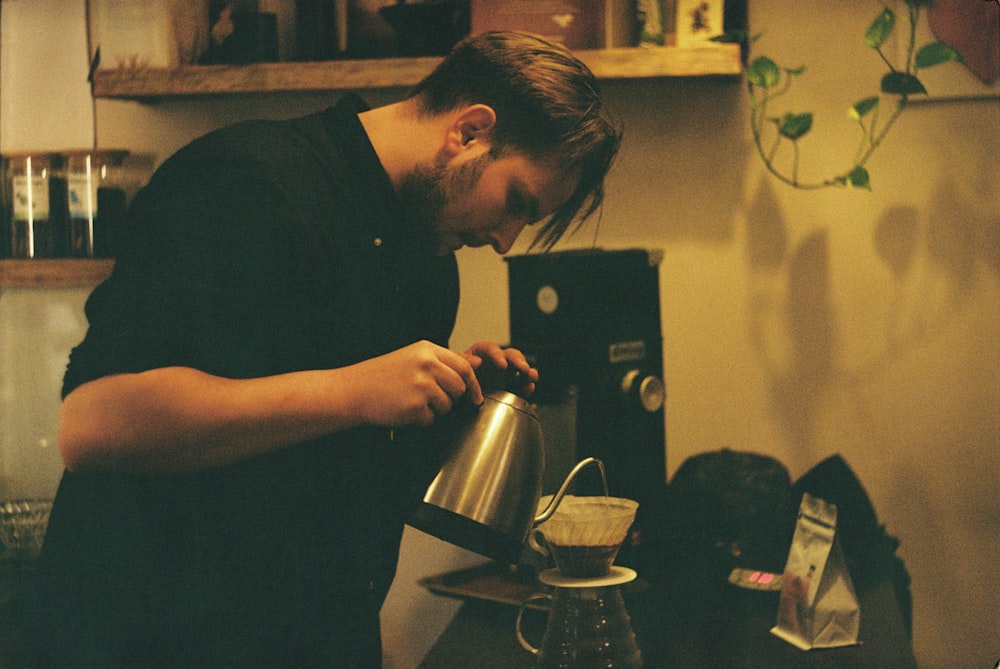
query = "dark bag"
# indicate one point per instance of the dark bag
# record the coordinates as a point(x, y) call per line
point(726, 509)
point(723, 509)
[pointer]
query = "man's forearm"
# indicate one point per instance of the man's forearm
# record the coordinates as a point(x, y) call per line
point(179, 419)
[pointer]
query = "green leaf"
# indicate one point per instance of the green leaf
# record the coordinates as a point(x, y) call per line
point(880, 29)
point(862, 108)
point(935, 54)
point(794, 126)
point(901, 83)
point(858, 178)
point(763, 72)
point(795, 71)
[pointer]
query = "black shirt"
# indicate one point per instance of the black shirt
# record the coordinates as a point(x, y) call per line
point(263, 248)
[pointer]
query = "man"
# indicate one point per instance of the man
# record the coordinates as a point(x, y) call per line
point(250, 418)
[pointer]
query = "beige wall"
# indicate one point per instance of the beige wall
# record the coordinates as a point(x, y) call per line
point(797, 324)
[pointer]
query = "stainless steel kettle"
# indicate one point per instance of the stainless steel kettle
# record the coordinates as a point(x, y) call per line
point(486, 494)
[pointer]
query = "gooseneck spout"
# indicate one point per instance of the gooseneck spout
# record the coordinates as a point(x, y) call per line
point(554, 502)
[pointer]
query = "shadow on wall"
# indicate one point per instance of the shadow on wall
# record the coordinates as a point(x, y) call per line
point(958, 236)
point(800, 374)
point(896, 236)
point(934, 265)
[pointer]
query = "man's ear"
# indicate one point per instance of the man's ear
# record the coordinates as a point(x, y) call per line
point(472, 126)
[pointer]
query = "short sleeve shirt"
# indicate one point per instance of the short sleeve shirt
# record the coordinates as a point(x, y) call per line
point(263, 248)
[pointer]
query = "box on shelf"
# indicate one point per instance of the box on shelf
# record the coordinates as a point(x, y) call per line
point(152, 33)
point(578, 24)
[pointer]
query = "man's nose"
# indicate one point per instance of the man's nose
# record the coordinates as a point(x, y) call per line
point(504, 237)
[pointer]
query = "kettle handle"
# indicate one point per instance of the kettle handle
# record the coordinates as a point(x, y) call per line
point(525, 644)
point(557, 498)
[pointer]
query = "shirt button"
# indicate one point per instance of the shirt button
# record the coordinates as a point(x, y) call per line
point(378, 241)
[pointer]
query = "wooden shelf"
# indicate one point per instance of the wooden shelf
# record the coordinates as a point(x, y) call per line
point(54, 273)
point(711, 59)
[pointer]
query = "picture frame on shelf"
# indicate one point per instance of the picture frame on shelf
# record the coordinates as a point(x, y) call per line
point(698, 21)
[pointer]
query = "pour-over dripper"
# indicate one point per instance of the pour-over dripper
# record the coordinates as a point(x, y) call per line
point(584, 534)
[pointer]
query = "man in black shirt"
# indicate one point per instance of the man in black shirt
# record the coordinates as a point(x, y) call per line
point(250, 419)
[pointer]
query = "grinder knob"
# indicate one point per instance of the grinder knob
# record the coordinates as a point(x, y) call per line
point(647, 389)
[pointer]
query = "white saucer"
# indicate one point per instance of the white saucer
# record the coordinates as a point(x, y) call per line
point(617, 576)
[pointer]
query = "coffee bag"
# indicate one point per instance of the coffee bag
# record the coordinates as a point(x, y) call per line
point(818, 607)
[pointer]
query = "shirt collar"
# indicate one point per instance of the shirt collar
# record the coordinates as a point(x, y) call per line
point(391, 231)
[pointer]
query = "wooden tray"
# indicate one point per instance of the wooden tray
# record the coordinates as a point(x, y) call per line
point(490, 581)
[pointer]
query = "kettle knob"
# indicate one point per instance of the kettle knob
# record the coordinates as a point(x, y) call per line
point(514, 380)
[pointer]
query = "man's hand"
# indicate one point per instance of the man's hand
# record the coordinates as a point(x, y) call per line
point(414, 385)
point(493, 366)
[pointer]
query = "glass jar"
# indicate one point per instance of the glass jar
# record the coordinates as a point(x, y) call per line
point(96, 201)
point(58, 246)
point(29, 229)
point(588, 626)
point(82, 179)
point(112, 200)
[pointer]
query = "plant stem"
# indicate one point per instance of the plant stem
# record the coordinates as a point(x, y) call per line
point(885, 131)
point(871, 135)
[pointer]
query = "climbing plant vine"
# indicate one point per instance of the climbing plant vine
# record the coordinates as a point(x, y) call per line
point(874, 115)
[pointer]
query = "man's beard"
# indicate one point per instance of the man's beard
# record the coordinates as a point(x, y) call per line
point(422, 198)
point(424, 193)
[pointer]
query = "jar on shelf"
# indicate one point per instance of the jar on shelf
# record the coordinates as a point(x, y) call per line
point(113, 187)
point(96, 201)
point(58, 208)
point(5, 231)
point(28, 196)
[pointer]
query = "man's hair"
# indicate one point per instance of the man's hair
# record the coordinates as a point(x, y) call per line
point(547, 103)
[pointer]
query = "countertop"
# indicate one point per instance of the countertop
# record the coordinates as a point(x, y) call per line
point(683, 624)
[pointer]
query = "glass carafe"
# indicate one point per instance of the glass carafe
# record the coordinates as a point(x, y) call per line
point(588, 626)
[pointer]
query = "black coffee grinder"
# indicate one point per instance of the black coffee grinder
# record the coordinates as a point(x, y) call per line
point(590, 322)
